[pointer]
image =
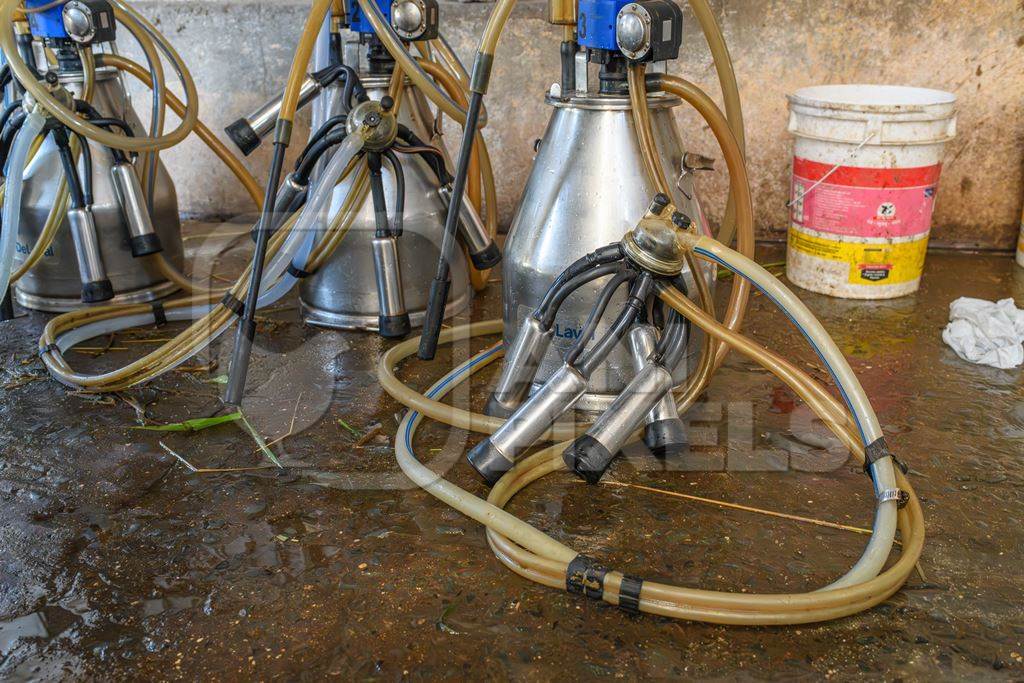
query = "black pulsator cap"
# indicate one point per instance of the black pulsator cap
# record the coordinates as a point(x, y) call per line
point(244, 137)
point(682, 221)
point(394, 327)
point(145, 245)
point(660, 203)
point(588, 458)
point(487, 258)
point(667, 438)
point(95, 292)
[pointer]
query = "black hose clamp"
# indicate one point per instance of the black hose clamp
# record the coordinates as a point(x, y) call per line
point(584, 576)
point(298, 273)
point(159, 314)
point(878, 450)
point(233, 304)
point(629, 594)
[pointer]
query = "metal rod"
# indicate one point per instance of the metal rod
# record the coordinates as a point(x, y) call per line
point(441, 284)
point(247, 325)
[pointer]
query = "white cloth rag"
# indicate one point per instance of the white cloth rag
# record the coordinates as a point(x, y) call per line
point(986, 333)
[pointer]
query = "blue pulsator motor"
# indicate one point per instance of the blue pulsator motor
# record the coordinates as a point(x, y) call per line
point(596, 24)
point(48, 23)
point(357, 20)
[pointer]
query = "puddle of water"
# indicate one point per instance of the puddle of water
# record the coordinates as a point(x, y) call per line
point(45, 624)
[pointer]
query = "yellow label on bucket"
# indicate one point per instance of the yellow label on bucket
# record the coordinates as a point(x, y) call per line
point(869, 264)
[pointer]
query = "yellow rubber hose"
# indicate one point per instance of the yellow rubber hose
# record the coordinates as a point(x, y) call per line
point(202, 131)
point(536, 556)
point(409, 65)
point(739, 181)
point(66, 116)
point(656, 172)
point(730, 95)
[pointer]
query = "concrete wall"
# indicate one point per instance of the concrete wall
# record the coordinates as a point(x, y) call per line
point(240, 50)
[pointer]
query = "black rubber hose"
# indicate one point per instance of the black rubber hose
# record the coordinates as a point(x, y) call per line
point(307, 163)
point(664, 326)
point(7, 138)
point(672, 344)
point(246, 335)
point(590, 327)
point(380, 206)
point(677, 352)
point(329, 127)
point(67, 159)
point(548, 310)
point(107, 122)
point(353, 86)
point(638, 294)
point(609, 254)
point(397, 223)
point(8, 112)
point(86, 168)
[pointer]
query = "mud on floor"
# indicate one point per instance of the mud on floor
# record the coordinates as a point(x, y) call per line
point(117, 560)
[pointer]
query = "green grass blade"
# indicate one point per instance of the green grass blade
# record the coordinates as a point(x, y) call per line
point(259, 441)
point(195, 425)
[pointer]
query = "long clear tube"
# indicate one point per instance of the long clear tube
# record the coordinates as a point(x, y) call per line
point(730, 95)
point(317, 207)
point(271, 287)
point(30, 129)
point(38, 90)
point(542, 559)
point(879, 548)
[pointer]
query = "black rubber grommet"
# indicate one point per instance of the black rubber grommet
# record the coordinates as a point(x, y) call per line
point(486, 259)
point(244, 137)
point(667, 438)
point(495, 409)
point(489, 462)
point(588, 458)
point(95, 292)
point(394, 327)
point(146, 245)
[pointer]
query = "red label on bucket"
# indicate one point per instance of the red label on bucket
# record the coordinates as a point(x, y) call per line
point(864, 202)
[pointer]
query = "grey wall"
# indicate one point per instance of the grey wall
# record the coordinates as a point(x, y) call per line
point(240, 51)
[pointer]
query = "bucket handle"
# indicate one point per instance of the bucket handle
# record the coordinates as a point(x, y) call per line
point(835, 168)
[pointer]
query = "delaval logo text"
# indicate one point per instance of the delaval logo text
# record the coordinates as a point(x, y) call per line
point(571, 333)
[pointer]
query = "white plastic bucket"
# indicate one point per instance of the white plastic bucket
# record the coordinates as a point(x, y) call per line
point(866, 166)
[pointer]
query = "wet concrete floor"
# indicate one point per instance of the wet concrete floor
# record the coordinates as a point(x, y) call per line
point(119, 561)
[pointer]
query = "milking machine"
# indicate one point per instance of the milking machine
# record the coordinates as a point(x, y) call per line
point(89, 222)
point(374, 168)
point(648, 254)
point(378, 282)
point(607, 301)
point(608, 295)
